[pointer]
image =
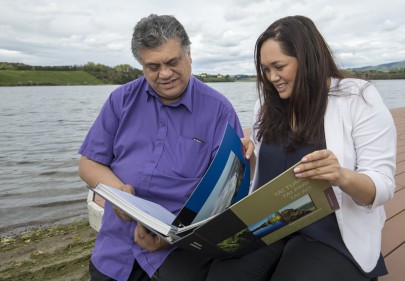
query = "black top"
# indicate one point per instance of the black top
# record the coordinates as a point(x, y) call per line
point(273, 160)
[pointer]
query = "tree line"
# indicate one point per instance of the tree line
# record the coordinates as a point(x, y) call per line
point(124, 73)
point(373, 74)
point(119, 74)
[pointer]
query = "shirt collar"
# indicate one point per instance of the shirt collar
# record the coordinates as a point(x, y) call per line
point(186, 98)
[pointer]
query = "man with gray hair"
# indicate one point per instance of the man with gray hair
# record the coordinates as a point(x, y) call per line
point(154, 137)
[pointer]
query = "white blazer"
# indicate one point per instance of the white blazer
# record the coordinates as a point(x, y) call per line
point(362, 135)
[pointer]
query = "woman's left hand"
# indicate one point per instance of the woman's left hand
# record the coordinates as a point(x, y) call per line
point(320, 164)
point(323, 164)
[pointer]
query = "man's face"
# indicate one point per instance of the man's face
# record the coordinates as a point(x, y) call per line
point(167, 69)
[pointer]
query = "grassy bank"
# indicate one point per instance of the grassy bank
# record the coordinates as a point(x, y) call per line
point(54, 253)
point(43, 77)
point(111, 76)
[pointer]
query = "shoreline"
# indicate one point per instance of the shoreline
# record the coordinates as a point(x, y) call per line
point(32, 226)
point(59, 252)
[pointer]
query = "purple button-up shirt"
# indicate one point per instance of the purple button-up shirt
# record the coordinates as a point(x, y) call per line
point(152, 146)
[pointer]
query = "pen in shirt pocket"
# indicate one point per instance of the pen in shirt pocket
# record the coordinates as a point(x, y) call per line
point(198, 140)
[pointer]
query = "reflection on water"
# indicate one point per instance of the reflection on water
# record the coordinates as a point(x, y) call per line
point(41, 130)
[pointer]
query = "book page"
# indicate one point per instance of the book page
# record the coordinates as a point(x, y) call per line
point(148, 207)
point(225, 182)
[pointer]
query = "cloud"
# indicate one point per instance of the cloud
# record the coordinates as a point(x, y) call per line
point(223, 33)
point(389, 25)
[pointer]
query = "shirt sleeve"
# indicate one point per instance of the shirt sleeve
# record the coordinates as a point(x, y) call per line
point(98, 144)
point(374, 136)
point(256, 111)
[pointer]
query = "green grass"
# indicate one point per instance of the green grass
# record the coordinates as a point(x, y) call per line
point(36, 77)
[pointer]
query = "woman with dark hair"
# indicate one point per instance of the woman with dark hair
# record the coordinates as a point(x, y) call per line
point(340, 131)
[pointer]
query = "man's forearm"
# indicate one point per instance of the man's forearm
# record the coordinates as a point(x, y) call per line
point(93, 172)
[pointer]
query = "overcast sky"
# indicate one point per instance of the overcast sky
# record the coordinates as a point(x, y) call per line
point(223, 33)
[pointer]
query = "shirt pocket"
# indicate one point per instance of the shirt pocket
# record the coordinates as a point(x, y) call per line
point(191, 157)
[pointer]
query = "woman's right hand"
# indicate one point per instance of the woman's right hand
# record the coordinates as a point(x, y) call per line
point(248, 147)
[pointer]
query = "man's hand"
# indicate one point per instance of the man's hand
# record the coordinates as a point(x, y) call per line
point(148, 241)
point(129, 189)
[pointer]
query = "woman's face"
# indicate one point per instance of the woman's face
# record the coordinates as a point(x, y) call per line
point(280, 69)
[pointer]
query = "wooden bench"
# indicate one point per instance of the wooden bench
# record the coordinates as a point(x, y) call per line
point(393, 241)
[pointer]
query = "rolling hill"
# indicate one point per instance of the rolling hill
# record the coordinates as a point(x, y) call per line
point(381, 67)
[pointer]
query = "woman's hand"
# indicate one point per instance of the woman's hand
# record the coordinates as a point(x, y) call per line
point(321, 164)
point(248, 147)
point(148, 241)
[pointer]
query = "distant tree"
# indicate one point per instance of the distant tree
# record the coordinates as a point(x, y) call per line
point(5, 66)
point(124, 73)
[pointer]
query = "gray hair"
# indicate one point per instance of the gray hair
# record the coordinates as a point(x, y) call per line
point(153, 31)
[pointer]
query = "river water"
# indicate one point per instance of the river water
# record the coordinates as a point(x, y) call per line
point(41, 130)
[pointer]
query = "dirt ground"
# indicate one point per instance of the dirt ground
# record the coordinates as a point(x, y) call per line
point(55, 253)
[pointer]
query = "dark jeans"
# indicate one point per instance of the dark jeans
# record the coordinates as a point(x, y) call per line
point(137, 274)
point(181, 265)
point(293, 259)
point(297, 260)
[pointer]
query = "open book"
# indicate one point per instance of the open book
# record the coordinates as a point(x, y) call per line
point(221, 219)
point(225, 182)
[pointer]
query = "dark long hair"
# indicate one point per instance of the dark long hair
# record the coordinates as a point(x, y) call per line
point(305, 109)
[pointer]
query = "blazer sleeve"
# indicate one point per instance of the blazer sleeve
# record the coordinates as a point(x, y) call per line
point(374, 136)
